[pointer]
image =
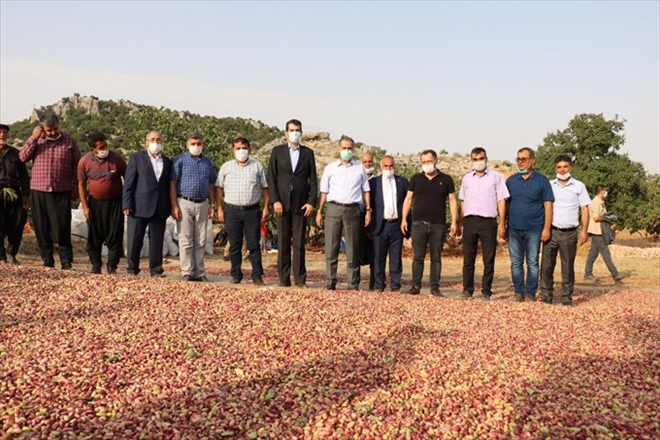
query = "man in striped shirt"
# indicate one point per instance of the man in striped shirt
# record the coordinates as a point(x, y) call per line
point(241, 184)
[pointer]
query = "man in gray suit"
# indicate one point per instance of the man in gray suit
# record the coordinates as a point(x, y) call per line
point(292, 187)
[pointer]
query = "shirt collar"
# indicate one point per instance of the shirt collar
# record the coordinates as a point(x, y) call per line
point(486, 172)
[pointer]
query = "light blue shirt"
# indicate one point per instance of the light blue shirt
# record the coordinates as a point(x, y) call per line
point(569, 199)
point(294, 155)
point(344, 183)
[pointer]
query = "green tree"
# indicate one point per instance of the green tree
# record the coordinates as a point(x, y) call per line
point(593, 143)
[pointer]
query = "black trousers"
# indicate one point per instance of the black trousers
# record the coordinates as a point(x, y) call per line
point(105, 226)
point(564, 243)
point(366, 255)
point(51, 216)
point(244, 224)
point(135, 239)
point(291, 230)
point(479, 229)
point(12, 222)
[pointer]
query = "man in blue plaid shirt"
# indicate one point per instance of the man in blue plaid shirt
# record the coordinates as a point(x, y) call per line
point(193, 203)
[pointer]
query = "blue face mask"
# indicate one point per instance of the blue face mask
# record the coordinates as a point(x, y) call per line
point(346, 155)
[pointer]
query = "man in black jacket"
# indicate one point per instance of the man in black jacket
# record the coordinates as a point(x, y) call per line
point(293, 191)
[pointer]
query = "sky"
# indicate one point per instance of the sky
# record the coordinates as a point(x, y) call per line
point(404, 76)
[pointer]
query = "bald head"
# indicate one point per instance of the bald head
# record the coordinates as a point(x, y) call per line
point(368, 163)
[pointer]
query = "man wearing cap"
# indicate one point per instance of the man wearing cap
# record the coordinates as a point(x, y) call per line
point(101, 204)
point(344, 185)
point(54, 184)
point(292, 187)
point(571, 198)
point(240, 185)
point(146, 203)
point(193, 202)
point(14, 192)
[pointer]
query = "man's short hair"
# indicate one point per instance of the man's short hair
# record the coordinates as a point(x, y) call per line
point(292, 122)
point(478, 150)
point(195, 135)
point(152, 131)
point(242, 141)
point(346, 138)
point(563, 158)
point(95, 137)
point(49, 120)
point(431, 152)
point(532, 155)
point(599, 188)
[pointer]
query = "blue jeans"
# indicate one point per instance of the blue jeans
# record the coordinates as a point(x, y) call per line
point(525, 245)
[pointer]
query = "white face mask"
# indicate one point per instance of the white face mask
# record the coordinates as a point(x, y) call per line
point(563, 176)
point(294, 137)
point(54, 138)
point(479, 165)
point(370, 170)
point(241, 155)
point(605, 194)
point(195, 150)
point(102, 154)
point(428, 168)
point(387, 173)
point(155, 148)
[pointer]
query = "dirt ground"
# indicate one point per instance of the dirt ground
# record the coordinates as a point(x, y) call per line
point(640, 262)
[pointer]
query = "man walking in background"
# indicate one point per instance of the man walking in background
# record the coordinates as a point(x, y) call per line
point(344, 185)
point(484, 195)
point(146, 203)
point(54, 184)
point(14, 197)
point(292, 186)
point(387, 192)
point(366, 254)
point(428, 193)
point(571, 197)
point(101, 204)
point(529, 217)
point(240, 185)
point(192, 196)
point(599, 242)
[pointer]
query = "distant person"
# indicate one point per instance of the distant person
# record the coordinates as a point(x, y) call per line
point(344, 185)
point(103, 170)
point(240, 187)
point(221, 238)
point(429, 193)
point(387, 192)
point(292, 184)
point(192, 196)
point(54, 184)
point(529, 218)
point(146, 203)
point(366, 254)
point(571, 198)
point(14, 198)
point(599, 241)
point(484, 195)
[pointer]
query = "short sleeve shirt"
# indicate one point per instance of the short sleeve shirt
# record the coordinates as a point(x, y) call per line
point(526, 211)
point(430, 197)
point(242, 185)
point(193, 175)
point(104, 176)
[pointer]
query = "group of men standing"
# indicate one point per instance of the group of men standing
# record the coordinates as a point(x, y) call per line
point(373, 212)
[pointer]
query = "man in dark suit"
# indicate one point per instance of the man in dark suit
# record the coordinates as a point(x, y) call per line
point(388, 191)
point(146, 202)
point(293, 191)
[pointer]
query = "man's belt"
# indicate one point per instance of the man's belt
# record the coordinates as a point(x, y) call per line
point(574, 228)
point(346, 205)
point(390, 220)
point(243, 207)
point(191, 199)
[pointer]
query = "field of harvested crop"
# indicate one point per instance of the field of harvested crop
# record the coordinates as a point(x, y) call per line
point(88, 356)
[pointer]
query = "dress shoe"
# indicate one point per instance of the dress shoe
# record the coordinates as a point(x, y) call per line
point(112, 270)
point(396, 289)
point(483, 298)
point(413, 291)
point(330, 287)
point(519, 298)
point(67, 266)
point(201, 279)
point(96, 270)
point(546, 301)
point(465, 295)
point(530, 299)
point(186, 278)
point(301, 285)
point(258, 282)
point(158, 275)
point(286, 283)
point(436, 292)
point(619, 277)
point(590, 278)
point(235, 280)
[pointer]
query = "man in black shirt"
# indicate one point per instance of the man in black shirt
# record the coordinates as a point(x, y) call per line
point(14, 192)
point(427, 195)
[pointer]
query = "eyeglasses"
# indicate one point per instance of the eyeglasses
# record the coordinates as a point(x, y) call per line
point(523, 159)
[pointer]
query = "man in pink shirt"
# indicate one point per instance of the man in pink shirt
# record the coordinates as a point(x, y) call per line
point(483, 194)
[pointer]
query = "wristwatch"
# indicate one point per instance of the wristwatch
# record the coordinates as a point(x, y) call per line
point(369, 209)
